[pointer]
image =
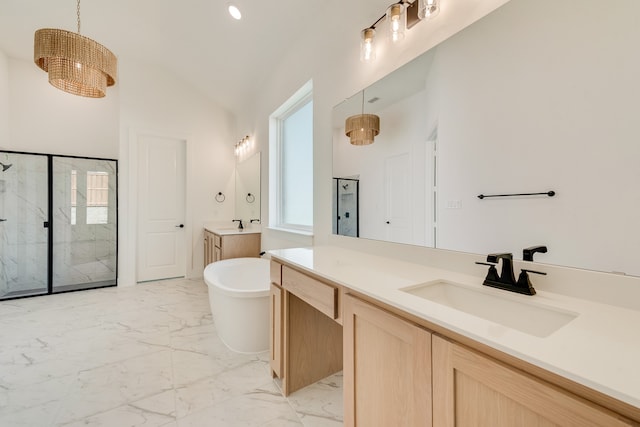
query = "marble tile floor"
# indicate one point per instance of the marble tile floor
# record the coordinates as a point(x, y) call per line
point(146, 355)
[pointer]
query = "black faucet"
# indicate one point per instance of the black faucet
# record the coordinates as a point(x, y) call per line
point(254, 220)
point(507, 279)
point(240, 226)
point(506, 275)
point(527, 253)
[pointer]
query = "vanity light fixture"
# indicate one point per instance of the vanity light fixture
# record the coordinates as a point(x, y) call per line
point(401, 16)
point(362, 128)
point(242, 145)
point(74, 63)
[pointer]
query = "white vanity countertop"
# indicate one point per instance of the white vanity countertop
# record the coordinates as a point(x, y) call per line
point(232, 229)
point(599, 349)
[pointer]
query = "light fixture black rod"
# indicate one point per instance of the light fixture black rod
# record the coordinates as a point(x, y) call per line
point(373, 26)
point(546, 193)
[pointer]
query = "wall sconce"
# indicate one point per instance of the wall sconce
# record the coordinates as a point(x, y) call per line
point(242, 146)
point(401, 16)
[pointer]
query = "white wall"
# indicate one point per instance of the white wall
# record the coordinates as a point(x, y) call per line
point(4, 100)
point(44, 119)
point(154, 101)
point(542, 111)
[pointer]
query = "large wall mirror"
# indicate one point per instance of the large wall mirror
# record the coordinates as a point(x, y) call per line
point(537, 96)
point(248, 188)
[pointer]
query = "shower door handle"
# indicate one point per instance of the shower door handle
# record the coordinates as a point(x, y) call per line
point(3, 219)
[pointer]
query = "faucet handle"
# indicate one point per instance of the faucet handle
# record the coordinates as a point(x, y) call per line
point(492, 274)
point(524, 270)
point(525, 283)
point(527, 253)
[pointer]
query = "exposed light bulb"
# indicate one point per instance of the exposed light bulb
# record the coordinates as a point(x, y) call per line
point(428, 8)
point(367, 45)
point(397, 18)
point(235, 12)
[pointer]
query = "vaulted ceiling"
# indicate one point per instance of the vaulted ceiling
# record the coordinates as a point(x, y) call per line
point(197, 40)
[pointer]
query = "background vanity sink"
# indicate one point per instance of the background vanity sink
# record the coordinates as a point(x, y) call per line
point(525, 316)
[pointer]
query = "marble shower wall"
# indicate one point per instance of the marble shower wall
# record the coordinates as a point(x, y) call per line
point(85, 222)
point(23, 237)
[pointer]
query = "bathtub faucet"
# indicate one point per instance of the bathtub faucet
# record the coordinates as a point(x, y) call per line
point(240, 226)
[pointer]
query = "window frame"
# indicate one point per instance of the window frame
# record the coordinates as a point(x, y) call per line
point(297, 101)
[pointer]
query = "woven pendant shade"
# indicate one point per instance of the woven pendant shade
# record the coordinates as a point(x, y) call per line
point(362, 128)
point(75, 64)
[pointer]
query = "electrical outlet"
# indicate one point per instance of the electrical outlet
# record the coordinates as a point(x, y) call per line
point(454, 204)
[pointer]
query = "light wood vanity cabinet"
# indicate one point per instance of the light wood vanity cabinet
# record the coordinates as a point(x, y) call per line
point(306, 336)
point(471, 389)
point(387, 368)
point(218, 247)
point(275, 330)
point(399, 372)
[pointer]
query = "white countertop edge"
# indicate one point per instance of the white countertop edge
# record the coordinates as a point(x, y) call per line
point(540, 352)
point(226, 231)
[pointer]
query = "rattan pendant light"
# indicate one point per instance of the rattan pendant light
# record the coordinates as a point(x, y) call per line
point(75, 64)
point(362, 128)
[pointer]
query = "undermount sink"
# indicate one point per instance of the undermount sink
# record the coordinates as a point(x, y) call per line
point(528, 317)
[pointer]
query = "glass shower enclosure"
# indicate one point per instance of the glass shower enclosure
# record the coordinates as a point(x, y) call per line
point(346, 207)
point(58, 224)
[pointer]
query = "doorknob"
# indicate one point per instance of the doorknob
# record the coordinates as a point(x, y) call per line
point(180, 226)
point(388, 222)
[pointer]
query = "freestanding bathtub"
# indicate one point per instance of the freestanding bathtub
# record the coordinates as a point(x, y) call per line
point(239, 297)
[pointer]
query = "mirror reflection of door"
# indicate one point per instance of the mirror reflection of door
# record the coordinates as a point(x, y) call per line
point(346, 191)
point(397, 198)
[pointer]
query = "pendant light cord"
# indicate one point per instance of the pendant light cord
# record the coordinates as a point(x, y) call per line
point(78, 11)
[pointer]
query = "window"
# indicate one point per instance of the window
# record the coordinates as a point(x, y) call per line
point(96, 201)
point(291, 162)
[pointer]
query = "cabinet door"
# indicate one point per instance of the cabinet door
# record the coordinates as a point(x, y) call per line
point(217, 254)
point(387, 368)
point(470, 389)
point(208, 248)
point(239, 245)
point(275, 330)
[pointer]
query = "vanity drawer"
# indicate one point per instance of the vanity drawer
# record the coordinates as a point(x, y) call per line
point(317, 294)
point(276, 273)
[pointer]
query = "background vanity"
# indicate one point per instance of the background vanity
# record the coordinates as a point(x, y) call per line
point(227, 240)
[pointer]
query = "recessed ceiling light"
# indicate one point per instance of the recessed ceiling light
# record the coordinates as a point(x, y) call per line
point(234, 12)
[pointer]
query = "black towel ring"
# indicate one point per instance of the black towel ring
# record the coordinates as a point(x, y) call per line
point(220, 197)
point(250, 198)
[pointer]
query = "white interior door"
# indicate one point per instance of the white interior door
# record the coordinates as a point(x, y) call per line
point(398, 219)
point(161, 208)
